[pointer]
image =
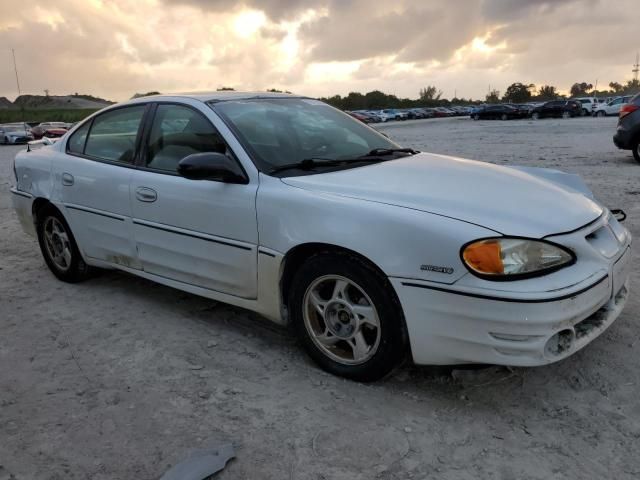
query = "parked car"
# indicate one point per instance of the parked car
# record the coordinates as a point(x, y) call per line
point(427, 112)
point(613, 107)
point(360, 116)
point(12, 134)
point(589, 104)
point(372, 252)
point(627, 136)
point(443, 112)
point(557, 108)
point(499, 112)
point(418, 113)
point(50, 130)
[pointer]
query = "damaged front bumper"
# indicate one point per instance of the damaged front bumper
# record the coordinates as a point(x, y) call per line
point(460, 323)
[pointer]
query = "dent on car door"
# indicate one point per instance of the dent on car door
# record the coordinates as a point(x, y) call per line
point(93, 179)
point(199, 232)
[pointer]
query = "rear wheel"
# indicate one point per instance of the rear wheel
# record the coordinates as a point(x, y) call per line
point(59, 247)
point(347, 317)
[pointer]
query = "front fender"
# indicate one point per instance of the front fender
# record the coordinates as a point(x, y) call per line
point(402, 242)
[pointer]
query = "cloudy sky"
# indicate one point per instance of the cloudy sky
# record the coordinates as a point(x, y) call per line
point(114, 48)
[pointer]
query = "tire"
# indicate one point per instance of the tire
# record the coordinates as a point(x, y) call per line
point(535, 115)
point(6, 141)
point(584, 112)
point(636, 149)
point(601, 113)
point(364, 343)
point(566, 115)
point(55, 236)
point(476, 117)
point(504, 117)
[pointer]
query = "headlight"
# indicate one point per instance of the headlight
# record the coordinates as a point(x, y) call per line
point(514, 258)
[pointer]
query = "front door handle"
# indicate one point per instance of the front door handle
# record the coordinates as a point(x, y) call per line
point(67, 179)
point(145, 194)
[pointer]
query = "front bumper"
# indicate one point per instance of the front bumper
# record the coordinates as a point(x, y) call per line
point(448, 327)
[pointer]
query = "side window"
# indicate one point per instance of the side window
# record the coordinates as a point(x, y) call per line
point(77, 139)
point(177, 132)
point(113, 134)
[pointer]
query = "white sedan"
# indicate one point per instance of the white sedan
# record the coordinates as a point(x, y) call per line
point(371, 252)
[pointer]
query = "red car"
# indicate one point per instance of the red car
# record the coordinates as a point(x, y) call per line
point(359, 116)
point(50, 130)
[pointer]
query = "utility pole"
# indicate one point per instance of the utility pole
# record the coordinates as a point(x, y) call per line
point(15, 68)
point(636, 68)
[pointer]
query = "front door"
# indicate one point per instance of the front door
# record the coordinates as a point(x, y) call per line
point(198, 232)
point(92, 178)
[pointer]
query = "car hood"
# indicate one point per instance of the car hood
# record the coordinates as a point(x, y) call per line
point(503, 199)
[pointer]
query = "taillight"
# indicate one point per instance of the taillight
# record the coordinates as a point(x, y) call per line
point(627, 109)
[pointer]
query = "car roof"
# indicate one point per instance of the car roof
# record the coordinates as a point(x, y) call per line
point(221, 96)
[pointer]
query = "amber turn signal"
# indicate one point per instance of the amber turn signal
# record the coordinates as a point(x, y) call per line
point(484, 257)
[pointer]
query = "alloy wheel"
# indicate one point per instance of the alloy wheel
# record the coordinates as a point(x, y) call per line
point(341, 320)
point(57, 243)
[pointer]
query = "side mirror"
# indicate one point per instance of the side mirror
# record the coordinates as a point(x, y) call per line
point(211, 166)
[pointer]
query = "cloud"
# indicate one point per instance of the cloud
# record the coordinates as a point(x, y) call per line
point(114, 48)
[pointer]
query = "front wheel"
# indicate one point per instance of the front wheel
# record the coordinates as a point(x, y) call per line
point(347, 317)
point(59, 247)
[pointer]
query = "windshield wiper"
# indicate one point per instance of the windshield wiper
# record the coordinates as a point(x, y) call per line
point(314, 162)
point(389, 151)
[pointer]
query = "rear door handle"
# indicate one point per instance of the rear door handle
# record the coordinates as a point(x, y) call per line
point(67, 179)
point(145, 194)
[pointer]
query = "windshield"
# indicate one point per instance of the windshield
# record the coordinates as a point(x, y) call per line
point(280, 131)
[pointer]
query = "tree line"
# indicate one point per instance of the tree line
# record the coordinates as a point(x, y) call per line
point(431, 96)
point(517, 92)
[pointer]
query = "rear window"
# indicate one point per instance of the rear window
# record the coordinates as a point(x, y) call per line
point(113, 134)
point(77, 139)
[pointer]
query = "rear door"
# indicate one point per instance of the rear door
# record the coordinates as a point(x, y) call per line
point(92, 180)
point(199, 232)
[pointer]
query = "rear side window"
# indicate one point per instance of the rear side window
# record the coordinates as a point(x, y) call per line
point(113, 134)
point(178, 132)
point(77, 139)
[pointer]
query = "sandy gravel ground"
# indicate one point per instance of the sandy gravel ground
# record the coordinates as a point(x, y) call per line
point(117, 378)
